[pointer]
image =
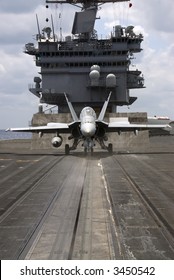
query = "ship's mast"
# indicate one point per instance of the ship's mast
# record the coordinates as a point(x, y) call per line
point(84, 21)
point(85, 3)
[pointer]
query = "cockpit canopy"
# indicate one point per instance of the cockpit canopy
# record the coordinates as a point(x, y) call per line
point(88, 111)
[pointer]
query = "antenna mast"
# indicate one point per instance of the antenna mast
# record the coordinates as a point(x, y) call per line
point(38, 27)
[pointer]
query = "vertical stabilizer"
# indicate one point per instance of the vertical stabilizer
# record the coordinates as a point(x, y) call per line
point(73, 113)
point(103, 110)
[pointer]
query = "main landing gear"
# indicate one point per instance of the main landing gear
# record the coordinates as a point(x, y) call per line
point(88, 149)
point(104, 147)
point(67, 149)
point(73, 147)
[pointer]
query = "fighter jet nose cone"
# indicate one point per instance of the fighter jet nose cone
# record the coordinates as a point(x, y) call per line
point(88, 129)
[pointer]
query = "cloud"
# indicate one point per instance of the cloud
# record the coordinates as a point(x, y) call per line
point(15, 70)
point(17, 104)
point(158, 96)
point(17, 110)
point(157, 58)
point(19, 6)
point(2, 70)
point(153, 14)
point(18, 26)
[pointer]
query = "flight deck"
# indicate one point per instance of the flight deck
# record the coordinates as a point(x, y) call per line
point(103, 206)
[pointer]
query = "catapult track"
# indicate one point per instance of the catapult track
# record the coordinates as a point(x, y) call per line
point(116, 206)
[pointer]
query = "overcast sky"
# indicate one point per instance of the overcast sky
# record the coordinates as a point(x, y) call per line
point(155, 19)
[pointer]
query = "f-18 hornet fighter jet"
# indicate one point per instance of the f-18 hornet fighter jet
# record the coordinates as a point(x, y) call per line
point(87, 129)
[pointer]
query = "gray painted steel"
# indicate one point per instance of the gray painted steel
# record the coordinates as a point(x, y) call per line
point(65, 64)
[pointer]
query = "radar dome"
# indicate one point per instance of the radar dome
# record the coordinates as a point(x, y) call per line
point(95, 67)
point(94, 77)
point(94, 74)
point(111, 80)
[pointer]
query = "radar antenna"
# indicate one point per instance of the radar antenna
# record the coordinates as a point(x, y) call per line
point(84, 21)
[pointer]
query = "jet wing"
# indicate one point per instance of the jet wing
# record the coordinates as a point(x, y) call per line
point(49, 128)
point(118, 127)
point(127, 126)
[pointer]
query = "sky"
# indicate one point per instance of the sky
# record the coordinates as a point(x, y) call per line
point(154, 19)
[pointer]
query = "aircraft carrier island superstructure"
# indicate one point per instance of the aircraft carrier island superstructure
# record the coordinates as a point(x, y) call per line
point(84, 66)
point(107, 206)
